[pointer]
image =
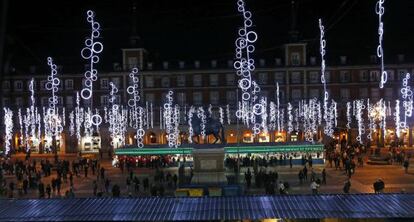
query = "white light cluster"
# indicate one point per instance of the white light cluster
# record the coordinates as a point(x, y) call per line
point(273, 115)
point(171, 117)
point(137, 112)
point(397, 117)
point(348, 115)
point(228, 114)
point(117, 121)
point(379, 9)
point(407, 96)
point(90, 52)
point(79, 118)
point(32, 120)
point(221, 112)
point(278, 107)
point(52, 120)
point(290, 119)
point(190, 114)
point(8, 122)
point(250, 107)
point(202, 116)
point(359, 109)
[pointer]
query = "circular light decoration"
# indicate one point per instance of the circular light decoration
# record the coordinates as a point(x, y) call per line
point(249, 108)
point(90, 52)
point(171, 116)
point(137, 112)
point(407, 96)
point(379, 10)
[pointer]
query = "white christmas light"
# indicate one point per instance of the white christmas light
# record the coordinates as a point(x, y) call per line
point(379, 9)
point(8, 122)
point(90, 52)
point(137, 112)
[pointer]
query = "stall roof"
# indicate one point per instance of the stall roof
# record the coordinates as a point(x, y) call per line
point(210, 208)
point(227, 149)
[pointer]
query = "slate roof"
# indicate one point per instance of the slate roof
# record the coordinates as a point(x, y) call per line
point(209, 208)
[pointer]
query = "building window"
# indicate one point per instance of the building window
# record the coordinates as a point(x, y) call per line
point(116, 82)
point(345, 94)
point(6, 102)
point(314, 77)
point(197, 80)
point(390, 75)
point(374, 76)
point(230, 79)
point(19, 101)
point(104, 83)
point(263, 78)
point(149, 81)
point(149, 97)
point(181, 80)
point(363, 76)
point(18, 85)
point(213, 80)
point(280, 77)
point(214, 97)
point(295, 58)
point(104, 101)
point(43, 85)
point(375, 93)
point(69, 101)
point(69, 84)
point(296, 94)
point(181, 98)
point(295, 78)
point(231, 97)
point(197, 98)
point(44, 101)
point(388, 93)
point(314, 93)
point(363, 93)
point(6, 85)
point(344, 76)
point(402, 73)
point(165, 82)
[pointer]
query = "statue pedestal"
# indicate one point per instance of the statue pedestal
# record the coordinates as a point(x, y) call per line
point(208, 165)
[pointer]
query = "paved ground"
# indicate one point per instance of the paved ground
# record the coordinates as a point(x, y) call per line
point(393, 175)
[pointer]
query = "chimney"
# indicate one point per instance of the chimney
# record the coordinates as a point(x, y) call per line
point(197, 64)
point(313, 60)
point(213, 63)
point(342, 60)
point(262, 62)
point(165, 65)
point(229, 63)
point(149, 65)
point(278, 61)
point(401, 58)
point(181, 64)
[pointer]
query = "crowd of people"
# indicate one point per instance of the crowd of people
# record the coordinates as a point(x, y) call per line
point(50, 179)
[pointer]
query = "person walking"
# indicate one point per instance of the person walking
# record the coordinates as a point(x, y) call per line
point(406, 164)
point(347, 186)
point(323, 176)
point(48, 190)
point(315, 187)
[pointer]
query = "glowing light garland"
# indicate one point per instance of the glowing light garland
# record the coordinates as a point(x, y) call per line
point(407, 96)
point(359, 108)
point(348, 115)
point(117, 121)
point(8, 122)
point(290, 119)
point(90, 52)
point(137, 112)
point(228, 114)
point(249, 108)
point(202, 116)
point(190, 114)
point(379, 9)
point(52, 120)
point(171, 117)
point(397, 117)
point(221, 112)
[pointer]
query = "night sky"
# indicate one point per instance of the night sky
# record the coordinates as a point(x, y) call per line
point(203, 30)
